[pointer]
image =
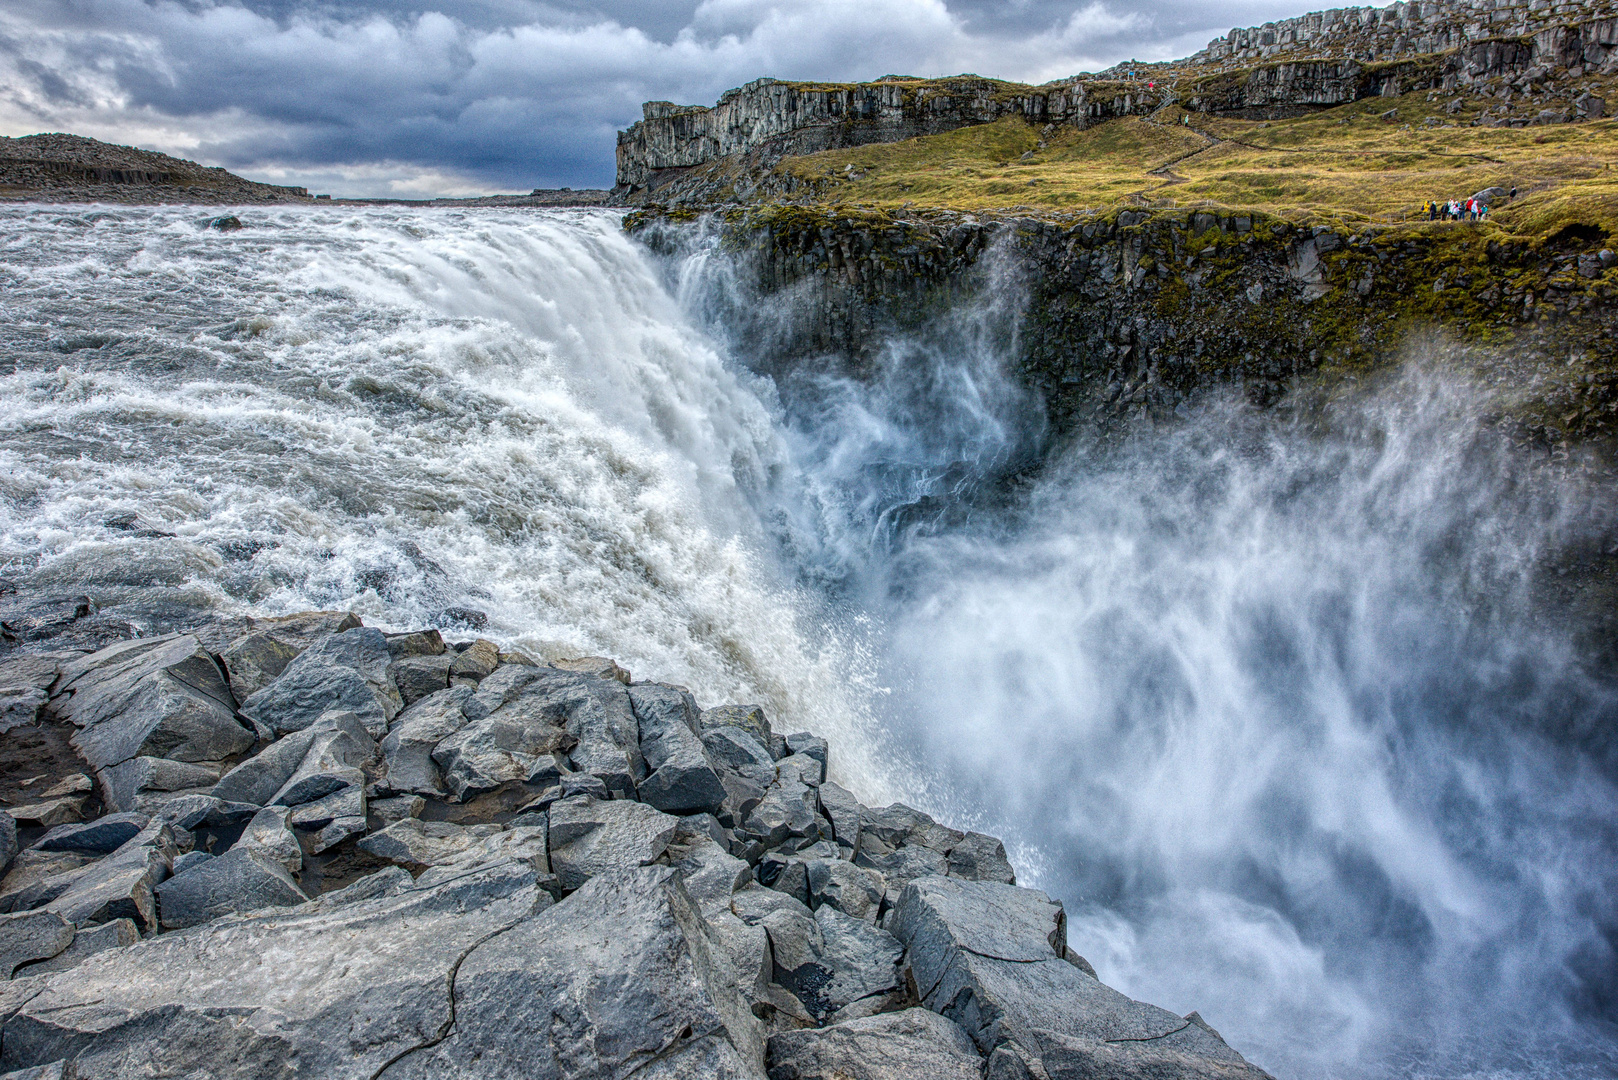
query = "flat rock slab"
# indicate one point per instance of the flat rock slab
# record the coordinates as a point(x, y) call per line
point(618, 979)
point(32, 935)
point(342, 991)
point(911, 1045)
point(86, 943)
point(412, 842)
point(589, 837)
point(102, 836)
point(242, 879)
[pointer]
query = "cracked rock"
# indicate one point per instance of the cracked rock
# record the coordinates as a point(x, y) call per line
point(32, 935)
point(344, 672)
point(242, 879)
point(590, 837)
point(911, 1045)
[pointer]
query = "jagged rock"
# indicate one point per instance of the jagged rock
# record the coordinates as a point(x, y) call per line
point(86, 943)
point(188, 860)
point(331, 819)
point(599, 667)
point(412, 842)
point(32, 935)
point(121, 885)
point(842, 810)
point(476, 661)
point(853, 890)
point(990, 957)
point(8, 841)
point(338, 755)
point(851, 961)
point(255, 659)
point(590, 837)
point(595, 713)
point(750, 718)
point(526, 844)
point(681, 780)
point(386, 811)
point(711, 874)
point(813, 745)
point(619, 974)
point(787, 810)
point(20, 705)
point(416, 643)
point(225, 1002)
point(804, 769)
point(151, 697)
point(389, 881)
point(500, 748)
point(49, 813)
point(257, 779)
point(242, 879)
point(102, 836)
point(38, 877)
point(418, 676)
point(899, 825)
point(344, 672)
point(122, 785)
point(981, 858)
point(911, 1045)
point(196, 811)
point(270, 834)
point(740, 749)
point(415, 733)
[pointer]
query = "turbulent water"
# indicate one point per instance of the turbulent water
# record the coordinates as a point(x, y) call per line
point(1273, 706)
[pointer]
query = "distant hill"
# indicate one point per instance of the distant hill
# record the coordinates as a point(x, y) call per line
point(73, 168)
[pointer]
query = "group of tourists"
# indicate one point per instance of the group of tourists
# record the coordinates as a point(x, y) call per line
point(1455, 210)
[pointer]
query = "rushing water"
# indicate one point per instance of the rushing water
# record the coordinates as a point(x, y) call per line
point(1270, 705)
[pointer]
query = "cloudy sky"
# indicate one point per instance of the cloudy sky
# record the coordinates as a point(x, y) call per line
point(459, 97)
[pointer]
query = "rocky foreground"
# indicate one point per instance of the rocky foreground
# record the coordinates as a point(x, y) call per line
point(303, 847)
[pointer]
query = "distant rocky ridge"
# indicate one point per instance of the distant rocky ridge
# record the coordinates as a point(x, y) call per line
point(299, 845)
point(1502, 48)
point(72, 168)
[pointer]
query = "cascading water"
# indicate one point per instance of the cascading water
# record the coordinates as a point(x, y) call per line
point(1272, 704)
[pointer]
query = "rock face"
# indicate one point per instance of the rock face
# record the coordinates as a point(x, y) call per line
point(562, 873)
point(72, 167)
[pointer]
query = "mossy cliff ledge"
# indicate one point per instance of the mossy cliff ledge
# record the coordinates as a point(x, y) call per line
point(1133, 312)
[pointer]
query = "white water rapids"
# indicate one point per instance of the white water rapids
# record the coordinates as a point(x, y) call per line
point(1268, 708)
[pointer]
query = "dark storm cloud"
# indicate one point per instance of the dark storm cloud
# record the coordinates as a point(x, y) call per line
point(467, 95)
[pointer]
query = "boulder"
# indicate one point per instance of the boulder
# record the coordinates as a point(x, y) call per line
point(991, 957)
point(38, 877)
point(188, 860)
point(151, 697)
point(525, 844)
point(415, 733)
point(595, 713)
point(598, 666)
point(899, 868)
point(750, 718)
point(339, 754)
point(8, 841)
point(386, 811)
point(119, 886)
point(48, 813)
point(193, 811)
point(32, 935)
point(711, 874)
point(416, 643)
point(814, 746)
point(853, 890)
point(738, 748)
point(476, 661)
point(680, 780)
point(86, 943)
point(980, 858)
point(840, 808)
point(255, 659)
point(256, 780)
point(418, 676)
point(618, 979)
point(412, 842)
point(914, 1044)
point(590, 837)
point(498, 749)
point(847, 960)
point(344, 672)
point(269, 834)
point(331, 819)
point(20, 705)
point(102, 836)
point(124, 784)
point(899, 825)
point(342, 991)
point(242, 879)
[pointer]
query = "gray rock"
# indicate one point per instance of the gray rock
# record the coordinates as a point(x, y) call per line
point(599, 667)
point(619, 978)
point(750, 718)
point(990, 957)
point(8, 841)
point(595, 712)
point(256, 780)
point(331, 820)
point(32, 935)
point(188, 860)
point(849, 960)
point(124, 783)
point(524, 844)
point(476, 661)
point(589, 837)
point(899, 868)
point(738, 748)
point(981, 858)
point(389, 881)
point(338, 757)
point(48, 813)
point(498, 749)
point(802, 768)
point(121, 885)
point(711, 875)
point(386, 811)
point(417, 643)
point(911, 1045)
point(418, 676)
point(270, 834)
point(681, 780)
point(813, 745)
point(151, 697)
point(413, 842)
point(102, 836)
point(238, 1000)
point(195, 811)
point(840, 808)
point(853, 890)
point(415, 733)
point(900, 825)
point(787, 810)
point(256, 659)
point(38, 877)
point(86, 943)
point(344, 672)
point(20, 705)
point(241, 879)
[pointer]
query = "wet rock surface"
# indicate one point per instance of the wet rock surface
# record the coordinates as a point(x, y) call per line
point(267, 841)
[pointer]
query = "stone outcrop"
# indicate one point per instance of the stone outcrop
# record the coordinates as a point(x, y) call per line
point(71, 167)
point(667, 891)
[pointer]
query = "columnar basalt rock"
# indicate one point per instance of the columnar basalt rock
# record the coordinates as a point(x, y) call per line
point(536, 922)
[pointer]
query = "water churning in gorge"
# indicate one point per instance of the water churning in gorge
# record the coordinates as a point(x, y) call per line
point(1273, 701)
